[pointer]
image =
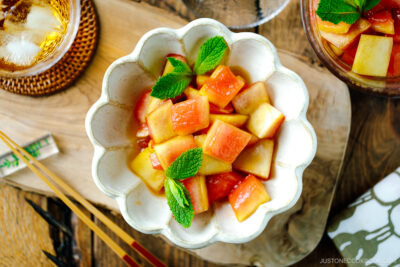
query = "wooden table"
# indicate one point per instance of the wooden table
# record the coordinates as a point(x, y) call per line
point(373, 152)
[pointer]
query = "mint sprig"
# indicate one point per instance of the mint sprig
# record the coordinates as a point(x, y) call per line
point(178, 192)
point(370, 4)
point(179, 66)
point(186, 165)
point(183, 215)
point(170, 85)
point(178, 198)
point(210, 54)
point(348, 11)
point(174, 83)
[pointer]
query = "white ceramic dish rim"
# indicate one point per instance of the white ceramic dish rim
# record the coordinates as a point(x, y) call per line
point(99, 150)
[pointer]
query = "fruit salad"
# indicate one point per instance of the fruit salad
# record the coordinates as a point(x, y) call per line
point(365, 35)
point(206, 135)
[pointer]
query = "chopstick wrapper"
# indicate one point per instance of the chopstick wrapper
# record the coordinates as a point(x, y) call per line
point(40, 148)
point(367, 233)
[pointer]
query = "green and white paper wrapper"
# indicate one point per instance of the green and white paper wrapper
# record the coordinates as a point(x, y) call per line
point(40, 148)
point(367, 233)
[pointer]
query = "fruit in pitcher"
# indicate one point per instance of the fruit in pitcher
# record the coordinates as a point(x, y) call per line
point(142, 166)
point(326, 26)
point(220, 185)
point(367, 45)
point(222, 86)
point(382, 22)
point(256, 159)
point(373, 55)
point(225, 141)
point(265, 121)
point(394, 65)
point(343, 41)
point(336, 50)
point(197, 189)
point(249, 99)
point(191, 115)
point(247, 197)
point(211, 165)
point(349, 54)
point(160, 123)
point(168, 151)
point(391, 4)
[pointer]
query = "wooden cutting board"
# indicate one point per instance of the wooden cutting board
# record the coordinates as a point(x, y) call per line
point(289, 237)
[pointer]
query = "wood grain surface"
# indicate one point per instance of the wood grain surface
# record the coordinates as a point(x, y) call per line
point(373, 152)
point(23, 233)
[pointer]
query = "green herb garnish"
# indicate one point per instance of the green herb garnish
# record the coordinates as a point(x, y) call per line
point(178, 198)
point(210, 54)
point(186, 165)
point(348, 11)
point(174, 83)
point(170, 85)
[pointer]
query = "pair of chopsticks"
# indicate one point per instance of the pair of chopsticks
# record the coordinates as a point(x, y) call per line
point(17, 150)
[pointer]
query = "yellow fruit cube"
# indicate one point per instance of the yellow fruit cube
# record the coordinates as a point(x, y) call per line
point(265, 121)
point(326, 26)
point(197, 189)
point(141, 166)
point(342, 41)
point(160, 123)
point(201, 80)
point(168, 151)
point(209, 164)
point(237, 120)
point(256, 159)
point(153, 104)
point(190, 93)
point(336, 50)
point(249, 99)
point(373, 55)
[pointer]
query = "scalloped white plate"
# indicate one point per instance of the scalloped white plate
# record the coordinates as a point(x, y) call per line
point(108, 120)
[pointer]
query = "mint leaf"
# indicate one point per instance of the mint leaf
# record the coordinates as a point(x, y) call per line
point(179, 66)
point(183, 214)
point(210, 54)
point(336, 11)
point(171, 85)
point(369, 4)
point(355, 3)
point(178, 192)
point(186, 165)
point(174, 83)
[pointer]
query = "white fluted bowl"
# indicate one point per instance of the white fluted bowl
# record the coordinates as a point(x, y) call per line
point(108, 120)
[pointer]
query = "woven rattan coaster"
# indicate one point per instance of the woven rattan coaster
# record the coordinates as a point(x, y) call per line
point(69, 68)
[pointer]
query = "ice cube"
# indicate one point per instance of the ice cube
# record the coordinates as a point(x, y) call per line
point(20, 52)
point(42, 19)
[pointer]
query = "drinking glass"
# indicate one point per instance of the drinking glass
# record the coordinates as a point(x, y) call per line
point(237, 14)
point(36, 34)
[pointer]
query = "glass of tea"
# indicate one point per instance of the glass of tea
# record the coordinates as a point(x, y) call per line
point(35, 34)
